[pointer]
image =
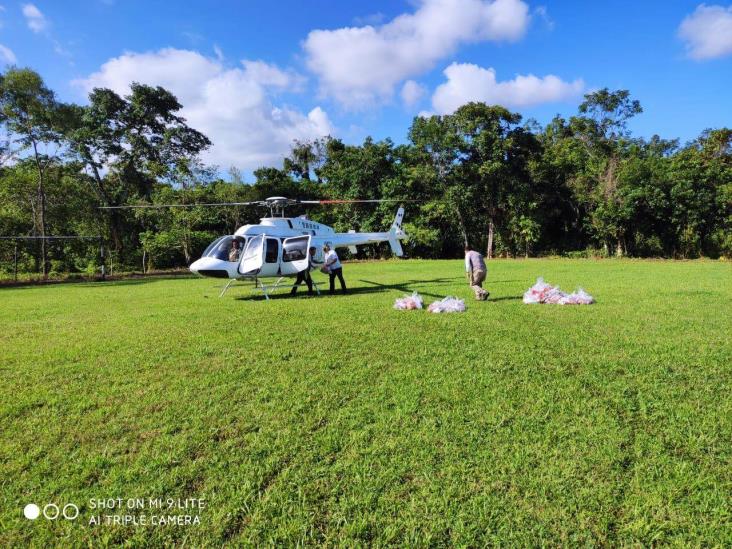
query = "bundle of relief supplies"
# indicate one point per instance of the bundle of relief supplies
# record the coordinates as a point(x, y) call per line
point(541, 292)
point(409, 302)
point(447, 305)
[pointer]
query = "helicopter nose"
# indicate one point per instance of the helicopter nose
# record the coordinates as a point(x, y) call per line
point(210, 267)
point(196, 266)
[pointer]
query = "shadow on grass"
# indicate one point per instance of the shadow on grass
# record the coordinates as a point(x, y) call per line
point(145, 280)
point(86, 283)
point(506, 298)
point(406, 287)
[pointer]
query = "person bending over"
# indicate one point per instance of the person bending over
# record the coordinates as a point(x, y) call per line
point(475, 271)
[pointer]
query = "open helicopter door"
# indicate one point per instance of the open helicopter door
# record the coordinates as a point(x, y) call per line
point(295, 255)
point(253, 257)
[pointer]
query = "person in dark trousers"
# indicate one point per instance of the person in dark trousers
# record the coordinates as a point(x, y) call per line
point(304, 275)
point(335, 269)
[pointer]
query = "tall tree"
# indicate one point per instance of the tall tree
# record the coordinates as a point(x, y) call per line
point(603, 129)
point(306, 158)
point(436, 140)
point(29, 110)
point(139, 139)
point(495, 156)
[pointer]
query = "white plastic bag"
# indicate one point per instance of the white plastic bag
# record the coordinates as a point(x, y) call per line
point(409, 302)
point(579, 297)
point(541, 292)
point(447, 305)
point(537, 293)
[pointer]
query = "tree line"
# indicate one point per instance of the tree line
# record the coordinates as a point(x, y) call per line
point(582, 186)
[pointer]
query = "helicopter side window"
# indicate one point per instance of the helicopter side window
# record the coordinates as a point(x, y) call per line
point(271, 250)
point(295, 249)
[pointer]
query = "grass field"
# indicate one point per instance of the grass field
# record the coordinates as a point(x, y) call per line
point(339, 421)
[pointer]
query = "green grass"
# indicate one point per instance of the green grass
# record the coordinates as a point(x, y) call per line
point(339, 421)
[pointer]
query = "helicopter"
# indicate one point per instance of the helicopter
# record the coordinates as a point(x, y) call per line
point(279, 247)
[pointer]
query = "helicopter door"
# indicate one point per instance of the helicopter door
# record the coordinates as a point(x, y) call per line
point(271, 266)
point(253, 257)
point(295, 255)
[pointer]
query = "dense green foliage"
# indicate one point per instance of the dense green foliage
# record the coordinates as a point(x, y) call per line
point(483, 175)
point(340, 421)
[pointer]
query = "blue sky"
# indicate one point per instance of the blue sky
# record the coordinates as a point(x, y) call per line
point(255, 75)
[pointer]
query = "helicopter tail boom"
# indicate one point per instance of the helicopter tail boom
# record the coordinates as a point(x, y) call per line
point(397, 224)
point(395, 245)
point(396, 233)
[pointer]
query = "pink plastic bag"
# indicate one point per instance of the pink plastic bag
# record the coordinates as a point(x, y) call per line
point(409, 302)
point(541, 292)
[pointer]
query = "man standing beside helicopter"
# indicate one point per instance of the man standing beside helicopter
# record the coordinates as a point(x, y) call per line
point(334, 268)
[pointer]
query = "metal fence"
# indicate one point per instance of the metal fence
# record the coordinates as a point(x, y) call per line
point(18, 239)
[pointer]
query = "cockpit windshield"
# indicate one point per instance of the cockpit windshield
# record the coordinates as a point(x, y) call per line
point(211, 246)
point(226, 248)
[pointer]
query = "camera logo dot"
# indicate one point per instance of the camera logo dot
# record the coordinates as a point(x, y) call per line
point(31, 511)
point(70, 511)
point(51, 511)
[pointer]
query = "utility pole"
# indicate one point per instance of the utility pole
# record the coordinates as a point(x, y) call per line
point(101, 254)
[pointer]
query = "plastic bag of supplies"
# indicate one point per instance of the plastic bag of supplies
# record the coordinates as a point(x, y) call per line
point(541, 292)
point(409, 302)
point(579, 297)
point(447, 305)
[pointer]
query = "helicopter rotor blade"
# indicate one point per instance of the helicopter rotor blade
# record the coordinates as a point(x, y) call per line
point(268, 203)
point(158, 206)
point(354, 201)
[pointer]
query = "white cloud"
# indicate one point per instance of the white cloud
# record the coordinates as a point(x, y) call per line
point(467, 82)
point(7, 55)
point(542, 13)
point(370, 19)
point(412, 92)
point(37, 22)
point(272, 76)
point(708, 32)
point(361, 65)
point(232, 106)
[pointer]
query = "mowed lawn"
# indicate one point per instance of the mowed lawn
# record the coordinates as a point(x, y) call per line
point(340, 421)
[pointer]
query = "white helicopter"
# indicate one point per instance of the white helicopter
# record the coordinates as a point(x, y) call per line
point(279, 247)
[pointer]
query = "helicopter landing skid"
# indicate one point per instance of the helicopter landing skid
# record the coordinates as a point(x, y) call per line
point(226, 288)
point(266, 289)
point(231, 282)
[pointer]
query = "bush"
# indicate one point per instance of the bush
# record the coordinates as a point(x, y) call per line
point(689, 243)
point(647, 246)
point(721, 243)
point(588, 253)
